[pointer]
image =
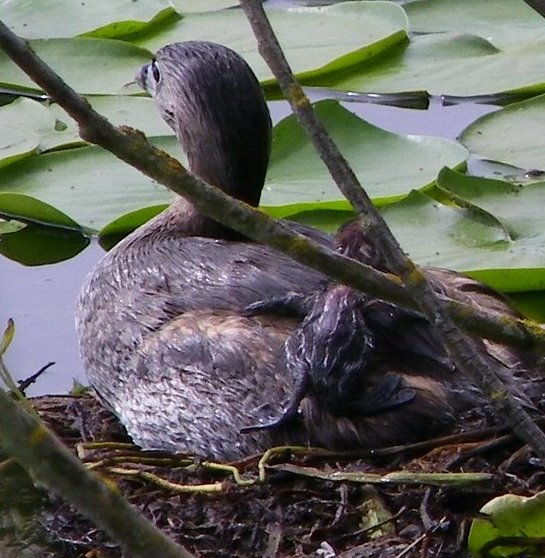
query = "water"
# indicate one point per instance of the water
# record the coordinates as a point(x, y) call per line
point(41, 299)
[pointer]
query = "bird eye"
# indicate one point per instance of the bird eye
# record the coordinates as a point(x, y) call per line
point(155, 71)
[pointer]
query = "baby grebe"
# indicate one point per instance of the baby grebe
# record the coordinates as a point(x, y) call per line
point(159, 319)
point(368, 373)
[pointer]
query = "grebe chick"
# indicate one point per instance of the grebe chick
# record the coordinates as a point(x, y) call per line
point(159, 320)
point(368, 373)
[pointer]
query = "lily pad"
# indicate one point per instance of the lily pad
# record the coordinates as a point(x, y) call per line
point(50, 19)
point(505, 23)
point(28, 127)
point(388, 165)
point(509, 517)
point(190, 6)
point(30, 210)
point(513, 135)
point(40, 233)
point(88, 184)
point(316, 40)
point(518, 262)
point(450, 63)
point(137, 112)
point(22, 125)
point(91, 66)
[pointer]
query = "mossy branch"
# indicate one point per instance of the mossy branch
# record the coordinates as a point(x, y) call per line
point(476, 365)
point(25, 438)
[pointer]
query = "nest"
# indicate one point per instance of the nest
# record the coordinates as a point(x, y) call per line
point(406, 501)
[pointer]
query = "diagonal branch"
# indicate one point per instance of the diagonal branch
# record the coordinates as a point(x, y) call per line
point(24, 437)
point(482, 370)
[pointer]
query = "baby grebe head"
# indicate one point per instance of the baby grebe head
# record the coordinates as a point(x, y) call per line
point(212, 100)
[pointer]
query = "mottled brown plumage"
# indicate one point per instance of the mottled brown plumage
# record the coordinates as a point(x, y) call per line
point(158, 319)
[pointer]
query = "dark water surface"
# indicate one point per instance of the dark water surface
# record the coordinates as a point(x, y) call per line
point(41, 299)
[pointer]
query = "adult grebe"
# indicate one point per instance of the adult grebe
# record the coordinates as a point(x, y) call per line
point(161, 323)
point(161, 334)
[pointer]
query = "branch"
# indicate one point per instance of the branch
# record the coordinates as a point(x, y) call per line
point(25, 438)
point(131, 146)
point(483, 370)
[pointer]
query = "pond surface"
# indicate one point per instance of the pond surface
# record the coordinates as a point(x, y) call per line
point(41, 299)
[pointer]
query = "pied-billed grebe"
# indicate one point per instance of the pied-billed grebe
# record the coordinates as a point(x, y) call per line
point(161, 324)
point(368, 373)
point(159, 319)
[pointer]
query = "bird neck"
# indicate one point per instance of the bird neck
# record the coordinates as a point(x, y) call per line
point(184, 219)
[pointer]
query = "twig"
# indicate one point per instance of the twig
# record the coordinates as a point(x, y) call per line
point(475, 365)
point(131, 146)
point(166, 484)
point(27, 382)
point(25, 438)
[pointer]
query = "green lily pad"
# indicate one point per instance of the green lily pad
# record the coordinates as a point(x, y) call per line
point(28, 127)
point(505, 23)
point(509, 516)
point(190, 6)
point(49, 19)
point(388, 165)
point(137, 112)
point(450, 64)
point(509, 264)
point(91, 66)
point(40, 233)
point(30, 210)
point(116, 230)
point(22, 124)
point(39, 245)
point(316, 40)
point(88, 184)
point(513, 135)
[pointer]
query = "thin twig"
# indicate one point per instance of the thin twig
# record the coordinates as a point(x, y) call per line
point(27, 382)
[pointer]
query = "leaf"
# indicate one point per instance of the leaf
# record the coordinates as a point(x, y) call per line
point(188, 6)
point(88, 184)
point(509, 515)
point(116, 230)
point(21, 126)
point(48, 236)
point(39, 245)
point(513, 135)
point(449, 64)
point(388, 165)
point(50, 19)
point(505, 23)
point(516, 264)
point(7, 337)
point(137, 112)
point(28, 127)
point(368, 28)
point(91, 66)
point(29, 210)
